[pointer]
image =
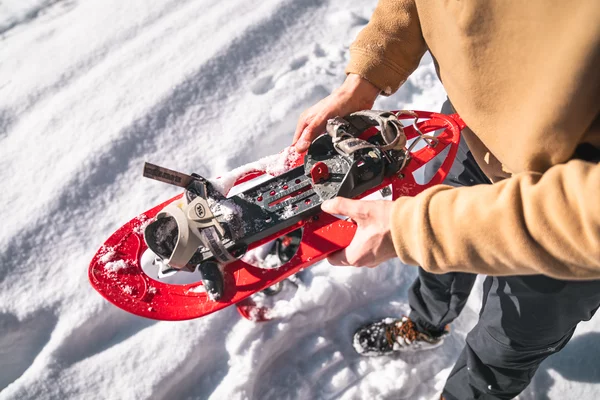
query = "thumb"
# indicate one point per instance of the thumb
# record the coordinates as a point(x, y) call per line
point(343, 206)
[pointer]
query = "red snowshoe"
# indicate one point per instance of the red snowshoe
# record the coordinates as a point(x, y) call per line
point(203, 235)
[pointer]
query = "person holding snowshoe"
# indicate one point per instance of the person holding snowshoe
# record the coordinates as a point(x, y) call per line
point(522, 202)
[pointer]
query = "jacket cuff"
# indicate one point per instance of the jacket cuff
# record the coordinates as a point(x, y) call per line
point(382, 73)
point(405, 229)
point(411, 229)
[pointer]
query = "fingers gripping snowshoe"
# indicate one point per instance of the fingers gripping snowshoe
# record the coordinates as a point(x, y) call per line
point(203, 232)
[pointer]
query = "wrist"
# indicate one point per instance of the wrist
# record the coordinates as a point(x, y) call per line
point(360, 89)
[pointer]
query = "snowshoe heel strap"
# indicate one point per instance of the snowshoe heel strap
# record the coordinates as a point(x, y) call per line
point(187, 242)
point(344, 131)
point(197, 227)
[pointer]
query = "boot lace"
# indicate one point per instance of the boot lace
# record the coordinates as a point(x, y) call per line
point(405, 329)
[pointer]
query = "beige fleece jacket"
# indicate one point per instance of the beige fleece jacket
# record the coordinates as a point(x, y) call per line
point(525, 77)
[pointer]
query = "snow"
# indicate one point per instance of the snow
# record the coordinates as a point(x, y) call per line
point(115, 266)
point(288, 211)
point(108, 254)
point(89, 90)
point(259, 257)
point(197, 289)
point(273, 165)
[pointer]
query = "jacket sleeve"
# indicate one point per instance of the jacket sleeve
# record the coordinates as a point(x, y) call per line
point(531, 223)
point(390, 47)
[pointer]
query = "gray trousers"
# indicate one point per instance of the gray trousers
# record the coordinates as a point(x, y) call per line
point(523, 319)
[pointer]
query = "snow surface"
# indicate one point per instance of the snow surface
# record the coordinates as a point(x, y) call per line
point(91, 89)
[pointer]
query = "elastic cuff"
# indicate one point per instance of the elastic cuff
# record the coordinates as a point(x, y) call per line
point(412, 230)
point(405, 229)
point(385, 75)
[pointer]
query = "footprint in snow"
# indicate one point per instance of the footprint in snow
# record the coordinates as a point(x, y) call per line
point(319, 52)
point(298, 63)
point(266, 83)
point(263, 85)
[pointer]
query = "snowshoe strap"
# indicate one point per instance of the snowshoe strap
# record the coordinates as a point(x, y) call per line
point(166, 175)
point(186, 244)
point(213, 242)
point(344, 131)
point(197, 226)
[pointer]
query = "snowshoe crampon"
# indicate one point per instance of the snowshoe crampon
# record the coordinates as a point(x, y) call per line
point(202, 235)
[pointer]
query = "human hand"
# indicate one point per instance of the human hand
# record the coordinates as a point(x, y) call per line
point(372, 243)
point(355, 94)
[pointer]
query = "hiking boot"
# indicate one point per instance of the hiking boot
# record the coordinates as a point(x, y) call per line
point(391, 335)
